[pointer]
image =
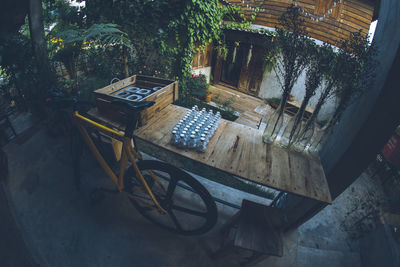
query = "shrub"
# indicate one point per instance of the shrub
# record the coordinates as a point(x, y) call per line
point(197, 85)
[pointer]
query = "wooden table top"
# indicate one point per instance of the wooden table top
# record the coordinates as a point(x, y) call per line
point(239, 150)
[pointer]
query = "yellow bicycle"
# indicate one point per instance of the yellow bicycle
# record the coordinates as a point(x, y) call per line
point(161, 192)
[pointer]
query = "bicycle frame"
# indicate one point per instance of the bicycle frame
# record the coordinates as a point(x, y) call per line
point(128, 153)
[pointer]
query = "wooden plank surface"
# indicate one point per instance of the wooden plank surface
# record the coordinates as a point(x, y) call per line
point(235, 150)
point(238, 150)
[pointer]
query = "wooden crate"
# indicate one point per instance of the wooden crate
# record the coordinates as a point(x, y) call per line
point(163, 97)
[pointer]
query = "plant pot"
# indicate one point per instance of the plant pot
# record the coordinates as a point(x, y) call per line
point(208, 97)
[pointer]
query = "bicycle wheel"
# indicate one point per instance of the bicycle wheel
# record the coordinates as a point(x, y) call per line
point(190, 207)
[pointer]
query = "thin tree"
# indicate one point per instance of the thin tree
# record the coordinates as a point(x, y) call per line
point(290, 41)
point(36, 28)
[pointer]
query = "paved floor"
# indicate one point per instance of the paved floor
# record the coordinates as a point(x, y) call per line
point(14, 251)
point(68, 231)
point(61, 227)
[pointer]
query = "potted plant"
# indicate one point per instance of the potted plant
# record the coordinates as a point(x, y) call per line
point(208, 96)
point(273, 101)
point(198, 87)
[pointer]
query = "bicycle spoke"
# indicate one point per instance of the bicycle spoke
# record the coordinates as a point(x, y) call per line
point(175, 220)
point(175, 191)
point(189, 211)
point(170, 190)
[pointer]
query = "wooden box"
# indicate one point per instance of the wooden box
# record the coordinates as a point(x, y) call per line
point(163, 92)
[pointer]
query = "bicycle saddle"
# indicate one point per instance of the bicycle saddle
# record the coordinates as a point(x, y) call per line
point(132, 106)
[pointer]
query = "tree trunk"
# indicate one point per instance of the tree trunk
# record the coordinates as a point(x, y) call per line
point(36, 28)
point(126, 67)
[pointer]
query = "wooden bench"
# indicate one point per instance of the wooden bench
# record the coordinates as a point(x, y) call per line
point(259, 230)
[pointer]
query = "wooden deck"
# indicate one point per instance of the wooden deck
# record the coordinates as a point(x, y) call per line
point(252, 110)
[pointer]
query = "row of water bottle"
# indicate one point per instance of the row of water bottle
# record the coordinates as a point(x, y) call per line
point(195, 129)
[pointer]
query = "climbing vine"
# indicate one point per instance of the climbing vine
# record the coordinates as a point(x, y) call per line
point(239, 18)
point(191, 31)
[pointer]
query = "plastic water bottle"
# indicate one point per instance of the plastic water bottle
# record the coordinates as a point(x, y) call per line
point(182, 141)
point(174, 138)
point(195, 129)
point(192, 141)
point(202, 146)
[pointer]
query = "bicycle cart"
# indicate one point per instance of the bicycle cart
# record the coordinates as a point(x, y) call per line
point(235, 150)
point(156, 188)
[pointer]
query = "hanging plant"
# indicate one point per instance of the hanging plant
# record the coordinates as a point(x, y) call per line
point(269, 63)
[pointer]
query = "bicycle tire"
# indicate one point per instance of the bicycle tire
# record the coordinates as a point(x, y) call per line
point(195, 220)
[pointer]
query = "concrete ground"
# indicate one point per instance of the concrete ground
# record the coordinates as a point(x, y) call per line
point(61, 227)
point(14, 251)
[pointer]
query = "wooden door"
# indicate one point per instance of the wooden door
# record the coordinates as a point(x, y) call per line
point(251, 74)
point(232, 65)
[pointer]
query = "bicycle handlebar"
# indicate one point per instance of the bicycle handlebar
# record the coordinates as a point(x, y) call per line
point(133, 109)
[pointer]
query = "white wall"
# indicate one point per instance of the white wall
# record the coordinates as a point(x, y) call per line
point(270, 87)
point(359, 115)
point(206, 71)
